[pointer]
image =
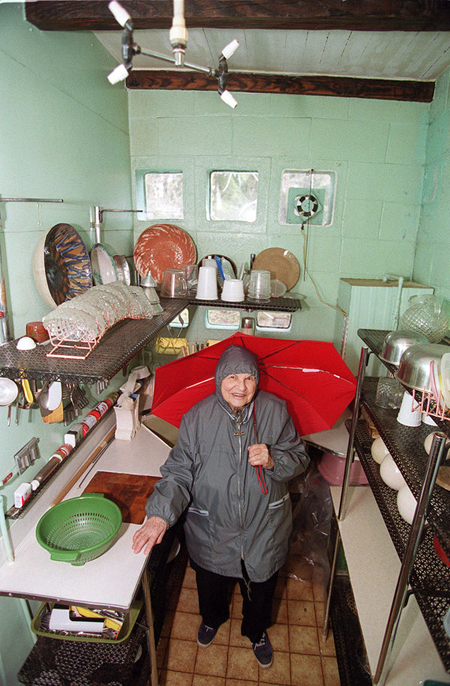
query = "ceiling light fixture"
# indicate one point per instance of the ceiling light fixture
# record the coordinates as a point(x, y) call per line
point(178, 37)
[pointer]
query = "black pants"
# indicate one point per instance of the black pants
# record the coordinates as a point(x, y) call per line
point(213, 595)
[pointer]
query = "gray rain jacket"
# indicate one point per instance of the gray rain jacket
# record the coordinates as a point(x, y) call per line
point(228, 518)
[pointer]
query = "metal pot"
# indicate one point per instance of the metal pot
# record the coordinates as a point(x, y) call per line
point(417, 363)
point(396, 342)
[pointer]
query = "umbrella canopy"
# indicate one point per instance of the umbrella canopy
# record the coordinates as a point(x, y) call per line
point(310, 376)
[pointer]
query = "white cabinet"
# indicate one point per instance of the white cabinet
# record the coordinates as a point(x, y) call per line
point(370, 304)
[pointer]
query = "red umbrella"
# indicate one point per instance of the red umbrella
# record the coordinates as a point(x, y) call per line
point(310, 375)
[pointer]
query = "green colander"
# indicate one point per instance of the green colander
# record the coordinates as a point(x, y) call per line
point(79, 529)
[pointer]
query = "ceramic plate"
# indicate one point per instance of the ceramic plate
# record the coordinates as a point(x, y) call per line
point(281, 264)
point(123, 269)
point(103, 265)
point(161, 247)
point(61, 265)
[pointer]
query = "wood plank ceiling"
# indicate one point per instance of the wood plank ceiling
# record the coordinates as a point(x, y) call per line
point(386, 49)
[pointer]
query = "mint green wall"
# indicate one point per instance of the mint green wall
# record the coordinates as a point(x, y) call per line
point(64, 134)
point(432, 260)
point(376, 148)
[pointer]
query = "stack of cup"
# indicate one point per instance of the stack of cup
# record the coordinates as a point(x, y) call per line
point(259, 285)
point(191, 273)
point(409, 413)
point(207, 284)
point(173, 283)
point(233, 290)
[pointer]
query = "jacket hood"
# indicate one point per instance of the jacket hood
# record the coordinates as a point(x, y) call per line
point(235, 360)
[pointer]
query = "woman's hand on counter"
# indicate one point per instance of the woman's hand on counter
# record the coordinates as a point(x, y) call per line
point(150, 534)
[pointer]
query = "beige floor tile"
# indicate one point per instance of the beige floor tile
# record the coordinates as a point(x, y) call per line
point(236, 638)
point(299, 590)
point(188, 601)
point(242, 664)
point(279, 637)
point(303, 640)
point(328, 648)
point(320, 613)
point(185, 626)
point(239, 682)
point(301, 612)
point(279, 673)
point(212, 661)
point(306, 670)
point(180, 656)
point(169, 678)
point(168, 623)
point(236, 605)
point(279, 611)
point(319, 592)
point(330, 671)
point(200, 680)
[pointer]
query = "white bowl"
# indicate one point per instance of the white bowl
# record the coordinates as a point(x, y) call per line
point(25, 343)
point(406, 504)
point(391, 474)
point(8, 391)
point(379, 450)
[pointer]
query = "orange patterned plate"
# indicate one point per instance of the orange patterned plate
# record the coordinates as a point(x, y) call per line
point(161, 247)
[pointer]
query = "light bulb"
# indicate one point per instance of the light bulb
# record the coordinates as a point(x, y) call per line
point(230, 49)
point(120, 14)
point(118, 74)
point(228, 99)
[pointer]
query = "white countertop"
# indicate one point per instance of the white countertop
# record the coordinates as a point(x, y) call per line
point(112, 579)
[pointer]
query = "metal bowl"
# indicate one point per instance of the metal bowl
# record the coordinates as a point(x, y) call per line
point(397, 342)
point(415, 370)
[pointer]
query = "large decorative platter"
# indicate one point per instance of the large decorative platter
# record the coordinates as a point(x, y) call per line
point(161, 247)
point(61, 265)
point(281, 264)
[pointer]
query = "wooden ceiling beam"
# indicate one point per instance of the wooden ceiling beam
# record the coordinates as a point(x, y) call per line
point(344, 87)
point(351, 15)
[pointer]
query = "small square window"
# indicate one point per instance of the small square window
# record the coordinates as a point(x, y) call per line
point(222, 319)
point(233, 196)
point(272, 321)
point(163, 195)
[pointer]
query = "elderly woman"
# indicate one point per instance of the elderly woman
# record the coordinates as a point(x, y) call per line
point(236, 451)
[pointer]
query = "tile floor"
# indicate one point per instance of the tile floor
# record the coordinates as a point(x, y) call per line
point(300, 656)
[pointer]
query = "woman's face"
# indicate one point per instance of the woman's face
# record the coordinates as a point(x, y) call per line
point(238, 390)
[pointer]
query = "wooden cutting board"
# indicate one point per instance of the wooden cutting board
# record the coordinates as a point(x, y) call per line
point(128, 491)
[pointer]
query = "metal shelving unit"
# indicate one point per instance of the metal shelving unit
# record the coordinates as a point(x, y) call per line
point(422, 572)
point(116, 348)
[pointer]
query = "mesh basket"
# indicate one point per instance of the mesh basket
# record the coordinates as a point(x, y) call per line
point(79, 529)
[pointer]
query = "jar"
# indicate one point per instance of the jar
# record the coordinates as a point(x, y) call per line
point(424, 315)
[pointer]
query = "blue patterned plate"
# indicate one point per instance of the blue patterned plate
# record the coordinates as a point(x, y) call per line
point(61, 265)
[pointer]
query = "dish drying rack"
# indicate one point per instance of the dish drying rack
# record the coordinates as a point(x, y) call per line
point(431, 403)
point(76, 327)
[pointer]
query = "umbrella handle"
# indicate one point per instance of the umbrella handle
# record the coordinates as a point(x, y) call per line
point(262, 483)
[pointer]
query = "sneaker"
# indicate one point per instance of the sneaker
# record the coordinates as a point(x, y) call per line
point(205, 635)
point(263, 651)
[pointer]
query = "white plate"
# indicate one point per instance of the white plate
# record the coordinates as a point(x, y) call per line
point(103, 265)
point(54, 395)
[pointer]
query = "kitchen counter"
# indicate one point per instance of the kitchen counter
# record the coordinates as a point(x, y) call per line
point(111, 580)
